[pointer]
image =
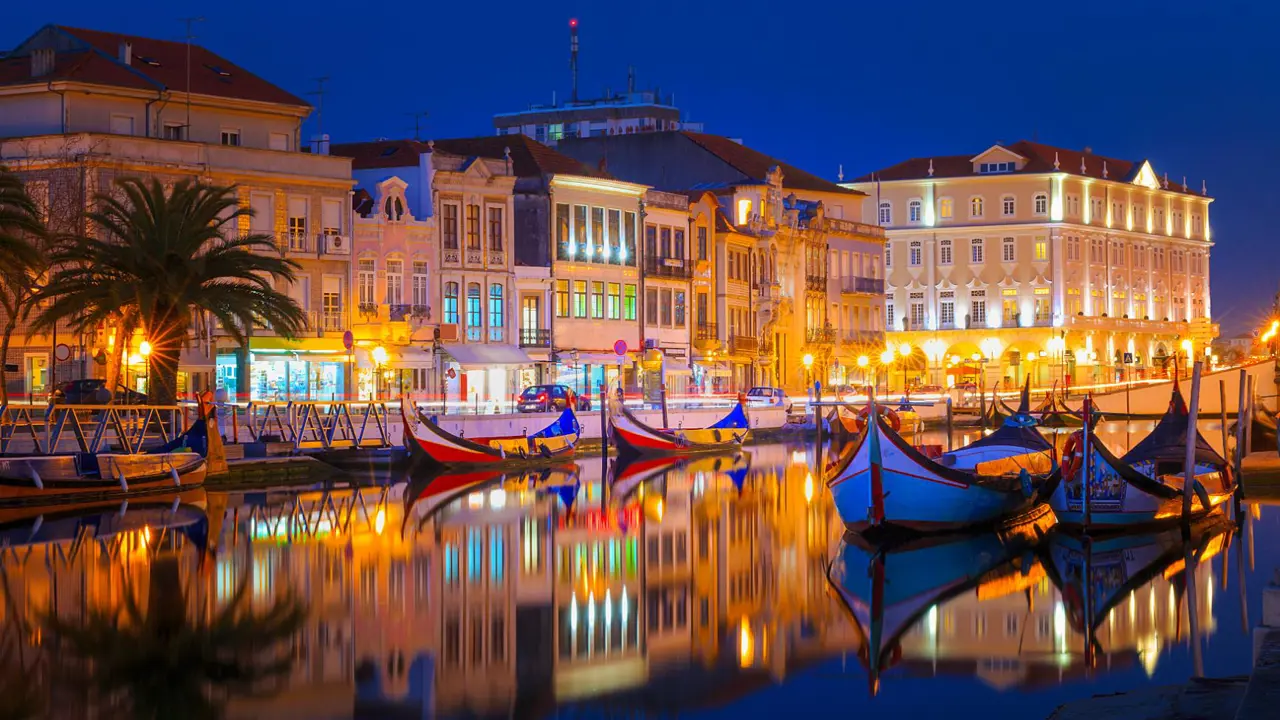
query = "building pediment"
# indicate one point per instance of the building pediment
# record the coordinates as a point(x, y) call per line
point(946, 284)
point(1007, 282)
point(997, 154)
point(1146, 176)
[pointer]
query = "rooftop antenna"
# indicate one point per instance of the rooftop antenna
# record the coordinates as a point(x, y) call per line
point(840, 174)
point(573, 56)
point(188, 21)
point(418, 117)
point(631, 78)
point(319, 93)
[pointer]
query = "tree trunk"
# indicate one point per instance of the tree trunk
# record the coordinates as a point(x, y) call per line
point(162, 372)
point(10, 325)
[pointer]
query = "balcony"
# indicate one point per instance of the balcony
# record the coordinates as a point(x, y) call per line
point(821, 336)
point(745, 344)
point(295, 243)
point(848, 227)
point(863, 285)
point(706, 336)
point(674, 268)
point(323, 321)
point(610, 255)
point(815, 283)
point(860, 338)
point(399, 313)
point(535, 338)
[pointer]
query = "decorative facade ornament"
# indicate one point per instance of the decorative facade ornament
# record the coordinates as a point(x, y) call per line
point(1055, 159)
point(930, 167)
point(1104, 169)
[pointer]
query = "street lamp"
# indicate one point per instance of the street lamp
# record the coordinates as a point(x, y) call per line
point(1056, 347)
point(863, 362)
point(807, 361)
point(886, 360)
point(379, 359)
point(934, 350)
point(905, 351)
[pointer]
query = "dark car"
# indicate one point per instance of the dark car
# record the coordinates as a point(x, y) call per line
point(550, 398)
point(92, 391)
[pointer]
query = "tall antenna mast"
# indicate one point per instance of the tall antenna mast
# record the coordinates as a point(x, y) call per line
point(573, 56)
point(188, 21)
point(319, 93)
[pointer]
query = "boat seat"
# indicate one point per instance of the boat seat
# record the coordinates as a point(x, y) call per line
point(1036, 463)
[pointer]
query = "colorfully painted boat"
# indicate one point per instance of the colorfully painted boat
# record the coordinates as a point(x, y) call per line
point(555, 441)
point(1145, 486)
point(629, 474)
point(886, 590)
point(182, 511)
point(884, 482)
point(632, 436)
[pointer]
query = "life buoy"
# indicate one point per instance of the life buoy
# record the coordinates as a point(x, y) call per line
point(885, 412)
point(1072, 455)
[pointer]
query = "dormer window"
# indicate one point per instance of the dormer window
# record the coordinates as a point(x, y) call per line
point(999, 167)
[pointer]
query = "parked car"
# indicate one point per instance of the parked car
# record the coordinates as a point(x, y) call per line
point(92, 391)
point(551, 398)
point(770, 396)
point(928, 390)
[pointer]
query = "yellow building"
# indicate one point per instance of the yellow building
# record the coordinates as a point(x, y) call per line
point(1028, 260)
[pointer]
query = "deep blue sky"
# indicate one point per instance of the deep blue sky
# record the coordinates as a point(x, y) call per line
point(1188, 85)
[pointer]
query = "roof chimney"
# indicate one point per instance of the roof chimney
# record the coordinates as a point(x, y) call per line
point(1088, 150)
point(42, 61)
point(126, 53)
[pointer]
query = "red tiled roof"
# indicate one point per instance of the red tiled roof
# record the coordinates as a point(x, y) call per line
point(157, 64)
point(1040, 159)
point(529, 158)
point(756, 164)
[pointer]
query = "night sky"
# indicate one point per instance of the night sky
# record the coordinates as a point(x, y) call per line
point(1187, 85)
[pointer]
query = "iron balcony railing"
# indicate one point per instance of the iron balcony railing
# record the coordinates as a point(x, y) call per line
point(535, 338)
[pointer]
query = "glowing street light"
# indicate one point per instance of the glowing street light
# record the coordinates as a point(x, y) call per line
point(886, 357)
point(379, 355)
point(863, 361)
point(904, 349)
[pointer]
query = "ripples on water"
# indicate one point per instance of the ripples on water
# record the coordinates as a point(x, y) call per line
point(723, 587)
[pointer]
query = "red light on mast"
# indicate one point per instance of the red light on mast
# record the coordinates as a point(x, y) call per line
point(573, 22)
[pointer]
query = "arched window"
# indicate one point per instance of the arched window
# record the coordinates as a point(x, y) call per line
point(945, 208)
point(451, 303)
point(495, 306)
point(1042, 204)
point(913, 211)
point(975, 207)
point(886, 213)
point(1007, 206)
point(393, 208)
point(475, 318)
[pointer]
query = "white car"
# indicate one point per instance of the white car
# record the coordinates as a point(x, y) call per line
point(766, 396)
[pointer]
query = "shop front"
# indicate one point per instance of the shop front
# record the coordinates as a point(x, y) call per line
point(482, 378)
point(394, 372)
point(585, 372)
point(282, 371)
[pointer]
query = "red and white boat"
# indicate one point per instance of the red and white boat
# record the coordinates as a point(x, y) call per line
point(434, 444)
point(631, 436)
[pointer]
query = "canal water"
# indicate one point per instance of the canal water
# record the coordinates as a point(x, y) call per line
point(717, 588)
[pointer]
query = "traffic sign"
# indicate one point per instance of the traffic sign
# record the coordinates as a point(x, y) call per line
point(620, 347)
point(452, 373)
point(348, 340)
point(1128, 358)
point(62, 352)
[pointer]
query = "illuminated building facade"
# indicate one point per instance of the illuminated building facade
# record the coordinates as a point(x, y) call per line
point(1028, 260)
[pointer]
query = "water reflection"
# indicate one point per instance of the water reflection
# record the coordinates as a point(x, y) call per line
point(654, 587)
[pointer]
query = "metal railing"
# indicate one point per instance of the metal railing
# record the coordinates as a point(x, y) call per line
point(816, 283)
point(821, 336)
point(399, 312)
point(316, 425)
point(869, 285)
point(48, 429)
point(535, 337)
point(677, 268)
point(706, 331)
point(745, 343)
point(849, 227)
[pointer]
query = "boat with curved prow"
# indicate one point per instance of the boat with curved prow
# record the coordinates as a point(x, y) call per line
point(1144, 487)
point(632, 436)
point(556, 441)
point(883, 482)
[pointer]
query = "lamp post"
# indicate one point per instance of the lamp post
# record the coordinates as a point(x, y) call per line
point(807, 361)
point(990, 351)
point(905, 351)
point(1057, 345)
point(934, 349)
point(379, 359)
point(863, 362)
point(886, 361)
point(144, 349)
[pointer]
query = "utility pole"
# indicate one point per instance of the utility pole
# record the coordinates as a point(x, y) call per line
point(319, 93)
point(418, 117)
point(573, 55)
point(188, 21)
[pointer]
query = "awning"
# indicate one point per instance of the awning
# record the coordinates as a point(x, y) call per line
point(410, 357)
point(269, 344)
point(716, 370)
point(478, 356)
point(588, 358)
point(676, 367)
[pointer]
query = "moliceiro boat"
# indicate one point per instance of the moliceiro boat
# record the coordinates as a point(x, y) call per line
point(557, 440)
point(632, 436)
point(883, 482)
point(1145, 486)
point(181, 464)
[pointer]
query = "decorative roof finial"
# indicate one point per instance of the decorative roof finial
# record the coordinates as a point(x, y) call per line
point(1055, 159)
point(1104, 169)
point(1082, 170)
point(431, 145)
point(1184, 183)
point(840, 173)
point(930, 167)
point(1204, 188)
point(506, 157)
point(1166, 179)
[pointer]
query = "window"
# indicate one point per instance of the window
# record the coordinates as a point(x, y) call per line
point(744, 211)
point(978, 312)
point(597, 300)
point(1073, 248)
point(579, 298)
point(1195, 223)
point(231, 137)
point(562, 298)
point(395, 282)
point(364, 281)
point(888, 255)
point(1041, 250)
point(1177, 221)
point(540, 133)
point(495, 229)
point(1007, 205)
point(496, 311)
point(1007, 250)
point(613, 301)
point(997, 167)
point(702, 243)
point(1041, 204)
point(944, 252)
point(580, 246)
point(564, 249)
point(629, 237)
point(1139, 214)
point(677, 244)
point(449, 225)
point(975, 207)
point(596, 243)
point(474, 316)
point(121, 124)
point(913, 211)
point(886, 213)
point(665, 234)
point(451, 303)
point(914, 254)
point(1095, 210)
point(629, 303)
point(278, 141)
point(888, 313)
point(614, 239)
point(1073, 205)
point(917, 313)
point(473, 227)
point(665, 294)
point(680, 308)
point(297, 223)
point(651, 306)
point(420, 273)
point(1095, 250)
point(175, 131)
point(947, 313)
point(650, 243)
point(1160, 226)
point(1117, 213)
point(975, 251)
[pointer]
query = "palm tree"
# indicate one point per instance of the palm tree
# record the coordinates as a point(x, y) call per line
point(161, 260)
point(165, 663)
point(21, 261)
